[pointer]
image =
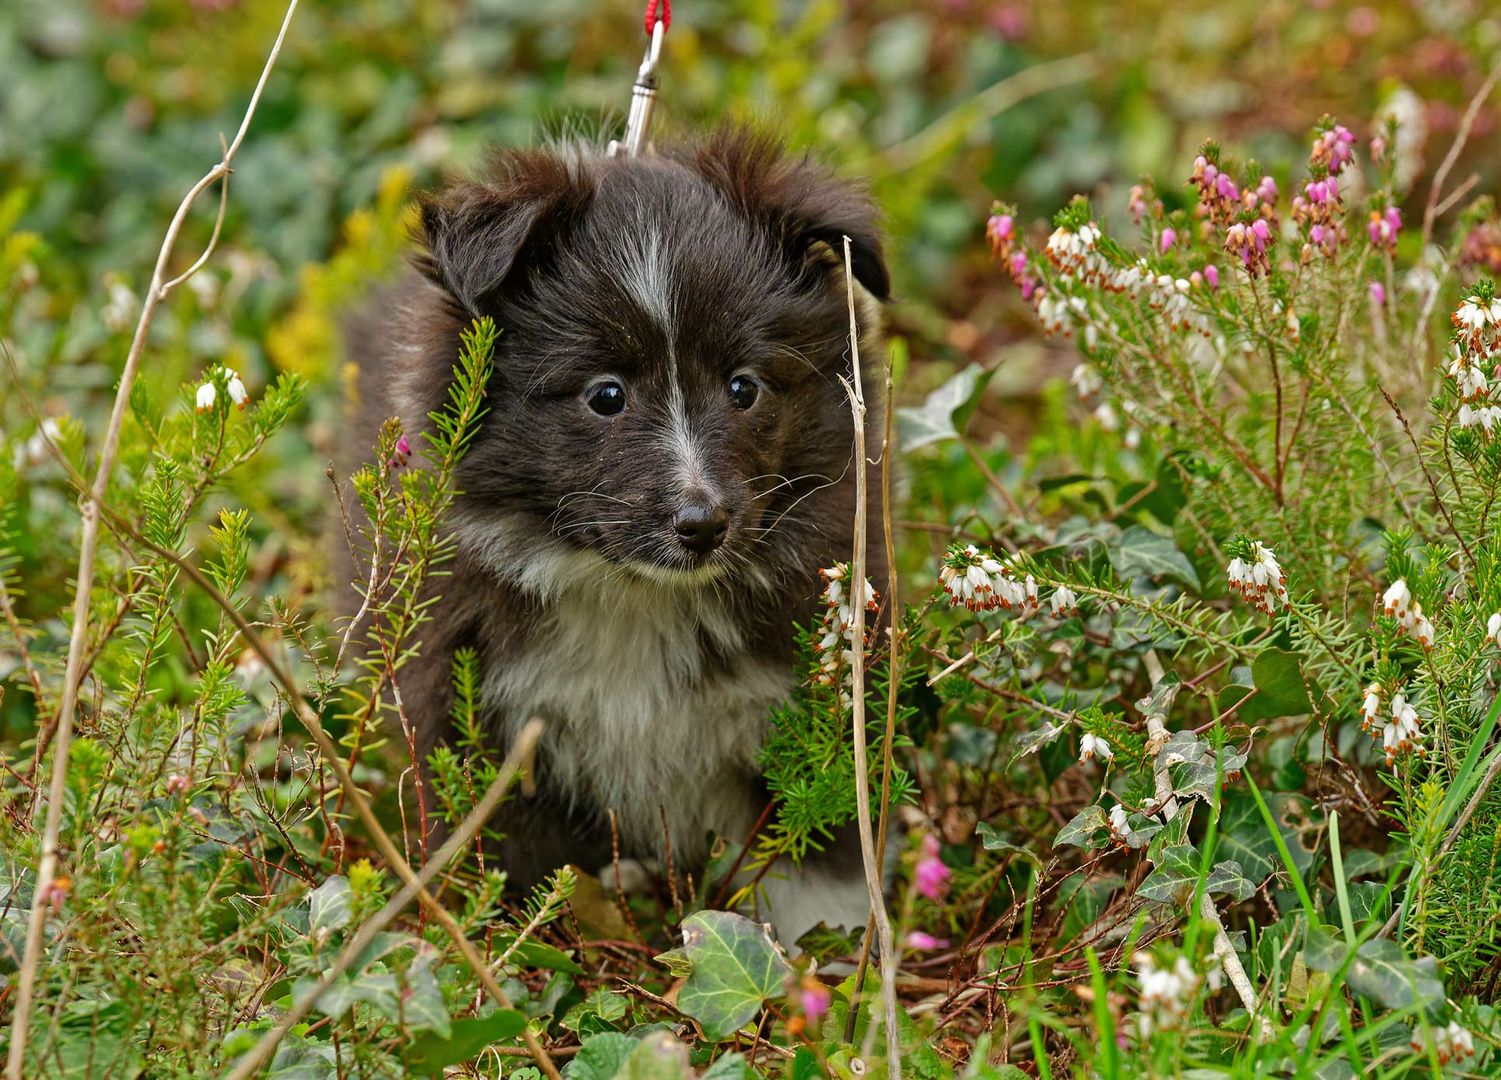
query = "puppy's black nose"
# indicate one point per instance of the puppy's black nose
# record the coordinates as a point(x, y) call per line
point(701, 526)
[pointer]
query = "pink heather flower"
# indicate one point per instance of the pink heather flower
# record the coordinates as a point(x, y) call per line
point(1384, 227)
point(178, 784)
point(815, 999)
point(1267, 189)
point(1169, 238)
point(1225, 188)
point(1334, 148)
point(999, 231)
point(1378, 149)
point(403, 451)
point(1378, 294)
point(1212, 275)
point(931, 876)
point(917, 939)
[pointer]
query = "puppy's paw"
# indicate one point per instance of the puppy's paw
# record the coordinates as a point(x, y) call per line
point(634, 878)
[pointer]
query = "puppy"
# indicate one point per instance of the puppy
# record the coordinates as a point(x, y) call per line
point(666, 464)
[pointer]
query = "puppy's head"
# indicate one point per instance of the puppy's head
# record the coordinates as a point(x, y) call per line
point(674, 330)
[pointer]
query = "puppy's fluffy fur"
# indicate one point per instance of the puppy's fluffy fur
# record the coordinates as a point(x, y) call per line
point(653, 662)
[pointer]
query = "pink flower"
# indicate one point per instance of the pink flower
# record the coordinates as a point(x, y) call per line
point(999, 229)
point(1378, 294)
point(815, 999)
point(916, 939)
point(931, 876)
point(1169, 238)
point(1267, 189)
point(403, 451)
point(1383, 228)
point(1212, 275)
point(1378, 149)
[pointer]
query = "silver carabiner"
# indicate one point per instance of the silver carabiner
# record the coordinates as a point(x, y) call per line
point(643, 96)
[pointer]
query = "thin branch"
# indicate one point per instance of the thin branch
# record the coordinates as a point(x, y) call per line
point(519, 757)
point(868, 854)
point(91, 513)
point(1461, 136)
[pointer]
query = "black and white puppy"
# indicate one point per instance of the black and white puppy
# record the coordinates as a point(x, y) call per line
point(666, 463)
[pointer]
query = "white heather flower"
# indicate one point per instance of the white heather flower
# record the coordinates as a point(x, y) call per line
point(836, 633)
point(1397, 598)
point(974, 579)
point(1493, 629)
point(1105, 415)
point(1402, 733)
point(1260, 579)
point(1119, 827)
point(35, 450)
point(1370, 708)
point(1473, 315)
point(1164, 992)
point(120, 308)
point(1450, 1043)
point(206, 397)
point(1085, 380)
point(1064, 602)
point(235, 388)
point(1470, 381)
point(1092, 746)
point(1422, 629)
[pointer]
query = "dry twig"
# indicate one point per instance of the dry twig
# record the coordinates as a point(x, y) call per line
point(92, 508)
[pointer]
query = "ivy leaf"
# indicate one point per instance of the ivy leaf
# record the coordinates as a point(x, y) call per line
point(1226, 877)
point(600, 1057)
point(1029, 742)
point(732, 966)
point(1280, 689)
point(1174, 877)
point(1084, 829)
point(424, 1008)
point(430, 1053)
point(991, 837)
point(329, 905)
point(1142, 553)
point(1381, 970)
point(659, 1056)
point(946, 411)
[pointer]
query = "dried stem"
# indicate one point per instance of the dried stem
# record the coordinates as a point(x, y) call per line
point(888, 737)
point(858, 560)
point(519, 757)
point(92, 512)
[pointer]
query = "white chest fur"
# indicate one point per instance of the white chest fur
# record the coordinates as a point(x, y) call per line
point(640, 716)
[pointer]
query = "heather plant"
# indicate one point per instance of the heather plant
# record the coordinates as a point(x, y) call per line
point(1180, 713)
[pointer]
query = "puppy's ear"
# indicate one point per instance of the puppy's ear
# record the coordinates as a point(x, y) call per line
point(480, 236)
point(805, 208)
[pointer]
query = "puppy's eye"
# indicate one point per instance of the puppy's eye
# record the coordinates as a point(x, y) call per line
point(743, 391)
point(606, 398)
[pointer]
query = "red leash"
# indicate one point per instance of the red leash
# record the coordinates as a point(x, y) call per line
point(651, 16)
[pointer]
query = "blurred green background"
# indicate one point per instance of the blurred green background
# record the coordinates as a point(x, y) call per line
point(110, 109)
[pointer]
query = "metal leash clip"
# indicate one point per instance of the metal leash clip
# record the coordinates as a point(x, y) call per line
point(643, 97)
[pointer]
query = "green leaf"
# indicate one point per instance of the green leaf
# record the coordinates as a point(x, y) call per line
point(659, 1056)
point(1084, 829)
point(1381, 970)
point(1143, 553)
point(1029, 742)
point(1279, 689)
point(1227, 878)
point(423, 1007)
point(730, 1067)
point(943, 415)
point(1244, 837)
point(329, 905)
point(991, 837)
point(1174, 877)
point(431, 1053)
point(732, 966)
point(536, 954)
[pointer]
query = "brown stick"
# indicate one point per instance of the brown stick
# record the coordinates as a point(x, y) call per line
point(91, 512)
point(857, 693)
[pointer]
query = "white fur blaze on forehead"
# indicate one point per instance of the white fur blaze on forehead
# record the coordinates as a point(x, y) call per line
point(640, 267)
